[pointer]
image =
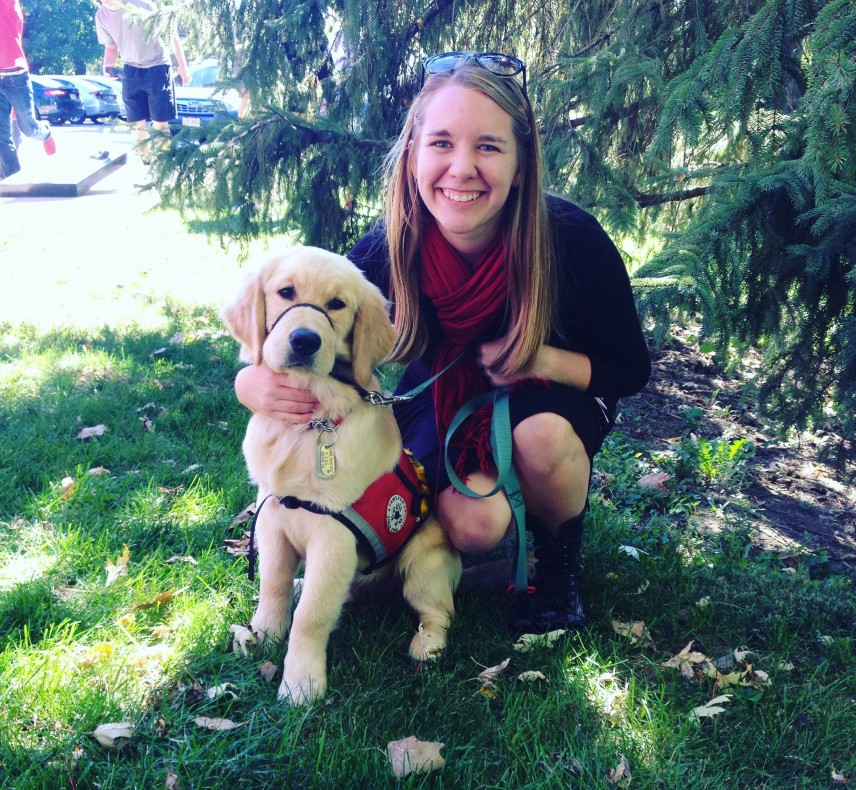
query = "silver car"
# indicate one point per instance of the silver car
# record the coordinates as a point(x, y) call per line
point(100, 102)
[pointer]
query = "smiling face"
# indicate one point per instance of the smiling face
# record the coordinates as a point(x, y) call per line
point(464, 160)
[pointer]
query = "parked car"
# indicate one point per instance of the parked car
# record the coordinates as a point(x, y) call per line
point(99, 101)
point(202, 99)
point(56, 103)
point(114, 85)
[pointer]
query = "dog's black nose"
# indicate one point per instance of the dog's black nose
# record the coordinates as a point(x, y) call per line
point(304, 342)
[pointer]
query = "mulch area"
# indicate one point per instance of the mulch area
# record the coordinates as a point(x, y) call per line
point(796, 499)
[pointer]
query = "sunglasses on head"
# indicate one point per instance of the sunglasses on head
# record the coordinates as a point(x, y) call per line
point(494, 62)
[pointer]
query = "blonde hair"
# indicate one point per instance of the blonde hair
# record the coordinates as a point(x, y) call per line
point(529, 254)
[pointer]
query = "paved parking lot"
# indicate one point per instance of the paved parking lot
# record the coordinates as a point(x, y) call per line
point(93, 153)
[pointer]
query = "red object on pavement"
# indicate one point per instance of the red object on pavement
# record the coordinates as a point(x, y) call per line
point(50, 146)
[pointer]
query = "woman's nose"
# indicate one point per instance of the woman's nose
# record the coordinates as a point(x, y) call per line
point(463, 164)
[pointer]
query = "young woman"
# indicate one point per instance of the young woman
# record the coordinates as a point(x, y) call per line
point(475, 257)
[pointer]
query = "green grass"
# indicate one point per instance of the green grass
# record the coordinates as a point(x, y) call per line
point(76, 653)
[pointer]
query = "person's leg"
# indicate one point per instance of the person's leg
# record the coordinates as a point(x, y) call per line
point(135, 96)
point(474, 526)
point(554, 471)
point(19, 91)
point(161, 94)
point(9, 163)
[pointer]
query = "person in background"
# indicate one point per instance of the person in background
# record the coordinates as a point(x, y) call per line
point(16, 91)
point(476, 258)
point(126, 30)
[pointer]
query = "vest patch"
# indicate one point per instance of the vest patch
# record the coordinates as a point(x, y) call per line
point(396, 513)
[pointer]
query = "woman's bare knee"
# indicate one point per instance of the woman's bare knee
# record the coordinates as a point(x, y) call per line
point(474, 525)
point(553, 467)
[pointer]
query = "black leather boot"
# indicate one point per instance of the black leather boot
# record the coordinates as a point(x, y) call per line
point(556, 601)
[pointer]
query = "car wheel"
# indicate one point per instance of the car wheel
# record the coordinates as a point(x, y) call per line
point(78, 119)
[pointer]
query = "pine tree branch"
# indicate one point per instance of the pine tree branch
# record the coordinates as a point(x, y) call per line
point(646, 201)
point(319, 131)
point(425, 20)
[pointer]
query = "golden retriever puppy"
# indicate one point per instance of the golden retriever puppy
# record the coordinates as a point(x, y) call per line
point(312, 313)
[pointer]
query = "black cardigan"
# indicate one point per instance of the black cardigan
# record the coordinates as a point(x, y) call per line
point(596, 312)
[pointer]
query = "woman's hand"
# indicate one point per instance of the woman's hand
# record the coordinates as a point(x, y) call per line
point(551, 363)
point(486, 355)
point(272, 394)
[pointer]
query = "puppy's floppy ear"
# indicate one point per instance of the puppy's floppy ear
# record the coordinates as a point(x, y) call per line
point(245, 316)
point(374, 335)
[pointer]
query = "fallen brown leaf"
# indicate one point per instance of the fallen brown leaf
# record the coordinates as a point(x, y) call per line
point(217, 724)
point(119, 568)
point(94, 430)
point(691, 664)
point(637, 632)
point(68, 486)
point(532, 675)
point(223, 690)
point(620, 775)
point(412, 756)
point(114, 735)
point(268, 670)
point(657, 481)
point(529, 642)
point(492, 673)
point(712, 708)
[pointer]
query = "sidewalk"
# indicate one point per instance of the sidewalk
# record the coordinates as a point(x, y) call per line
point(84, 156)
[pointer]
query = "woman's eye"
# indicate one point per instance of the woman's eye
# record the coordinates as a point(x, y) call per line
point(335, 304)
point(287, 293)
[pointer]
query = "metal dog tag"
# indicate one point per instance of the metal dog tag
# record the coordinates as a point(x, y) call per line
point(325, 461)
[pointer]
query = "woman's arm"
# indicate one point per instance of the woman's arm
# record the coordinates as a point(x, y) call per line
point(554, 364)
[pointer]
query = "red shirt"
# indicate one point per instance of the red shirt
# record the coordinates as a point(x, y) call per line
point(11, 35)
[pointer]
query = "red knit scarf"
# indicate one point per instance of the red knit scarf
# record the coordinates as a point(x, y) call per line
point(468, 299)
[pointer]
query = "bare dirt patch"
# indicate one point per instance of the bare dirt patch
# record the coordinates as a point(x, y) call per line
point(795, 499)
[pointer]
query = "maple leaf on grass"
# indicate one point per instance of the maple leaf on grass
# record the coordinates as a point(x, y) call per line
point(412, 756)
point(531, 675)
point(529, 642)
point(68, 486)
point(712, 708)
point(161, 598)
point(691, 663)
point(209, 723)
point(490, 674)
point(656, 481)
point(620, 776)
point(94, 430)
point(114, 735)
point(228, 690)
point(118, 568)
point(637, 632)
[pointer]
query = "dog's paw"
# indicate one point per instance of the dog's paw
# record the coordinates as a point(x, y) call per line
point(302, 691)
point(428, 643)
point(244, 639)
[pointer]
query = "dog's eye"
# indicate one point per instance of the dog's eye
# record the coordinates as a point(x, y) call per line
point(287, 293)
point(336, 304)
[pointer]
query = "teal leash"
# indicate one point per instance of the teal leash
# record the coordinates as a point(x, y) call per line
point(507, 480)
point(379, 399)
